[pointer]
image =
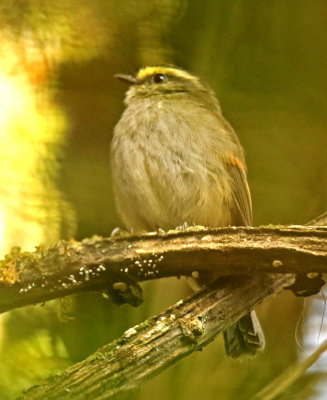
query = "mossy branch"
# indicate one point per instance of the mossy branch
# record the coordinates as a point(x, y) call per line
point(145, 350)
point(118, 264)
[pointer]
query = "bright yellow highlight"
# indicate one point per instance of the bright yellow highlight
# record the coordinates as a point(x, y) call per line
point(31, 131)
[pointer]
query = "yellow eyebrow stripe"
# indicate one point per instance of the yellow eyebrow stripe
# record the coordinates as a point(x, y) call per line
point(148, 71)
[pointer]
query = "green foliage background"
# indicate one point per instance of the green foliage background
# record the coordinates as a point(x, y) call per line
point(267, 63)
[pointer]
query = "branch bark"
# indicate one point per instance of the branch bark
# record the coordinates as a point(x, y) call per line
point(119, 263)
point(147, 349)
point(143, 351)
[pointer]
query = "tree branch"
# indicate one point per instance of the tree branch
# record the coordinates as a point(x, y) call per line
point(119, 263)
point(147, 349)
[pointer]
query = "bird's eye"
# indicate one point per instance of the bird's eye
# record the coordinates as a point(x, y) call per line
point(159, 78)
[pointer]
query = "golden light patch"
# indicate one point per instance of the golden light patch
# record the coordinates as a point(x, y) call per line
point(149, 71)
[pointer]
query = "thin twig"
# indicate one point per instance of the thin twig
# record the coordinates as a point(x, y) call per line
point(289, 376)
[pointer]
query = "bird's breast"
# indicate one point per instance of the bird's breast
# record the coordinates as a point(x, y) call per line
point(167, 170)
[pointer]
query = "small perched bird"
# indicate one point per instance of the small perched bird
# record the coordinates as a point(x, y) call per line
point(176, 160)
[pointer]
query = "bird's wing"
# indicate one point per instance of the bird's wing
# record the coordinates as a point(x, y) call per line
point(242, 210)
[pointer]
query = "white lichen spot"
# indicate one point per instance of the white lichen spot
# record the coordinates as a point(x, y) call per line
point(72, 279)
point(312, 275)
point(195, 274)
point(82, 270)
point(277, 263)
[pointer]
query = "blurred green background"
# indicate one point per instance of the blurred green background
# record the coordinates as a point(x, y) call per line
point(266, 61)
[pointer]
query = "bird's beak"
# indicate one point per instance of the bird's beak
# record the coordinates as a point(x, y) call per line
point(126, 78)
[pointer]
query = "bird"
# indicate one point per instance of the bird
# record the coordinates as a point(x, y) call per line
point(176, 160)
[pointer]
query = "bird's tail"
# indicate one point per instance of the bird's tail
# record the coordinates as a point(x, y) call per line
point(245, 337)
